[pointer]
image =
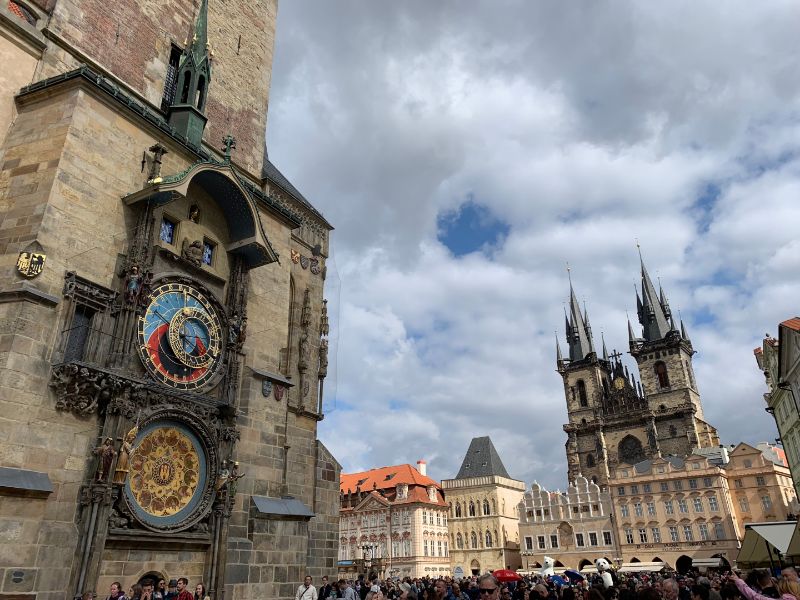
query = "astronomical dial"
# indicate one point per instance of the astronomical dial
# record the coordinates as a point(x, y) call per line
point(180, 337)
point(619, 383)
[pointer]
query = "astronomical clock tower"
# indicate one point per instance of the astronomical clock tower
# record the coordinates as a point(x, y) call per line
point(163, 327)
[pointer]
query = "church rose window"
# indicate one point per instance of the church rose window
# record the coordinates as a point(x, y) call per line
point(630, 450)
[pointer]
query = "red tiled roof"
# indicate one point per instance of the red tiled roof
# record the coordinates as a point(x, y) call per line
point(14, 8)
point(792, 323)
point(384, 478)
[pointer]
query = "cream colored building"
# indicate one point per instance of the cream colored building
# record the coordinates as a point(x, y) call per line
point(779, 359)
point(393, 521)
point(573, 528)
point(674, 510)
point(761, 490)
point(484, 523)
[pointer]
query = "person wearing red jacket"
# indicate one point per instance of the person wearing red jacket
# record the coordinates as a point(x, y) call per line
point(183, 593)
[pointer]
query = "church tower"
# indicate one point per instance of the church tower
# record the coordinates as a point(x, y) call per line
point(663, 354)
point(586, 383)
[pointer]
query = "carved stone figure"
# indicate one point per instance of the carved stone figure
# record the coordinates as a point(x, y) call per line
point(234, 477)
point(133, 285)
point(106, 454)
point(125, 451)
point(323, 358)
point(302, 362)
point(194, 213)
point(192, 251)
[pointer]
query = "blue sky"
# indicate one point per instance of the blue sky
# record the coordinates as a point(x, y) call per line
point(465, 157)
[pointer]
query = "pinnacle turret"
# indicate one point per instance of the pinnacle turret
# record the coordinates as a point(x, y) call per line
point(579, 335)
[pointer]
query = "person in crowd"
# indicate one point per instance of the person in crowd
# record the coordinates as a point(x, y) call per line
point(148, 593)
point(183, 591)
point(172, 590)
point(790, 573)
point(456, 592)
point(347, 591)
point(135, 592)
point(306, 591)
point(789, 590)
point(200, 592)
point(325, 588)
point(115, 592)
point(488, 587)
point(161, 590)
point(699, 592)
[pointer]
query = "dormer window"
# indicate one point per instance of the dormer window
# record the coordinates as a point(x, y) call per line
point(402, 491)
point(432, 494)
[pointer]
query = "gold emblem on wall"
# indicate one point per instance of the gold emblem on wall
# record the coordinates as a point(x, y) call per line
point(164, 472)
point(30, 264)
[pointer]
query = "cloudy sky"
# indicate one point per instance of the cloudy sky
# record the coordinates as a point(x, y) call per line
point(466, 152)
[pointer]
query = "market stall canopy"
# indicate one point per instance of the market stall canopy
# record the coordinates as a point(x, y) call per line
point(641, 567)
point(794, 545)
point(764, 544)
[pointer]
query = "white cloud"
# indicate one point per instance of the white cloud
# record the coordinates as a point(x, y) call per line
point(583, 127)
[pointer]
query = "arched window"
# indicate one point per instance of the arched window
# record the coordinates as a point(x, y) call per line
point(488, 539)
point(673, 431)
point(22, 11)
point(661, 373)
point(471, 508)
point(201, 93)
point(582, 393)
point(689, 373)
point(485, 507)
point(494, 506)
point(458, 509)
point(459, 542)
point(473, 538)
point(590, 460)
point(187, 81)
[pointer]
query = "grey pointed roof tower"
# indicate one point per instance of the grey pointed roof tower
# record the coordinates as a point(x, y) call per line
point(605, 351)
point(559, 357)
point(579, 335)
point(653, 316)
point(482, 460)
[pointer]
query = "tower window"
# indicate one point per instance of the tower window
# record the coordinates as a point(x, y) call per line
point(582, 393)
point(22, 11)
point(171, 78)
point(661, 373)
point(590, 460)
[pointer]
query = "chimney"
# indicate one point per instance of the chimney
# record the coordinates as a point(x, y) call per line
point(422, 467)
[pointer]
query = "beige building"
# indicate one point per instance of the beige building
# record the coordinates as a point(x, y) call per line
point(761, 489)
point(779, 359)
point(484, 522)
point(674, 510)
point(573, 528)
point(393, 521)
point(161, 369)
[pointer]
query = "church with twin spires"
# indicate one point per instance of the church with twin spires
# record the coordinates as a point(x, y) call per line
point(615, 419)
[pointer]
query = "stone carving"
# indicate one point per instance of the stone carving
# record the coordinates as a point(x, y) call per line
point(118, 521)
point(230, 434)
point(323, 358)
point(304, 262)
point(315, 266)
point(106, 454)
point(304, 352)
point(80, 390)
point(194, 213)
point(279, 389)
point(266, 388)
point(295, 255)
point(192, 251)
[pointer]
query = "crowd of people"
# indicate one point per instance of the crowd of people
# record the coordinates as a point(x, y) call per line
point(757, 585)
point(175, 589)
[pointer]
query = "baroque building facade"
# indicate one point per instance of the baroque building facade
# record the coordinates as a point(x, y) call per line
point(484, 524)
point(393, 522)
point(164, 332)
point(615, 419)
point(573, 528)
point(779, 360)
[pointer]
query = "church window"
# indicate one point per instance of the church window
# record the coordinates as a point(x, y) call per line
point(471, 508)
point(473, 540)
point(200, 98)
point(605, 386)
point(661, 373)
point(208, 252)
point(689, 373)
point(167, 233)
point(590, 460)
point(630, 450)
point(458, 509)
point(459, 542)
point(673, 431)
point(582, 393)
point(171, 79)
point(84, 337)
point(488, 539)
point(187, 80)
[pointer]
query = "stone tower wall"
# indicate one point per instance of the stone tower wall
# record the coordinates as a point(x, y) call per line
point(133, 39)
point(682, 386)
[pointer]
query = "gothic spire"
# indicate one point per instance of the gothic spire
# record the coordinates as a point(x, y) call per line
point(684, 335)
point(652, 316)
point(559, 357)
point(578, 335)
point(198, 45)
point(605, 352)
